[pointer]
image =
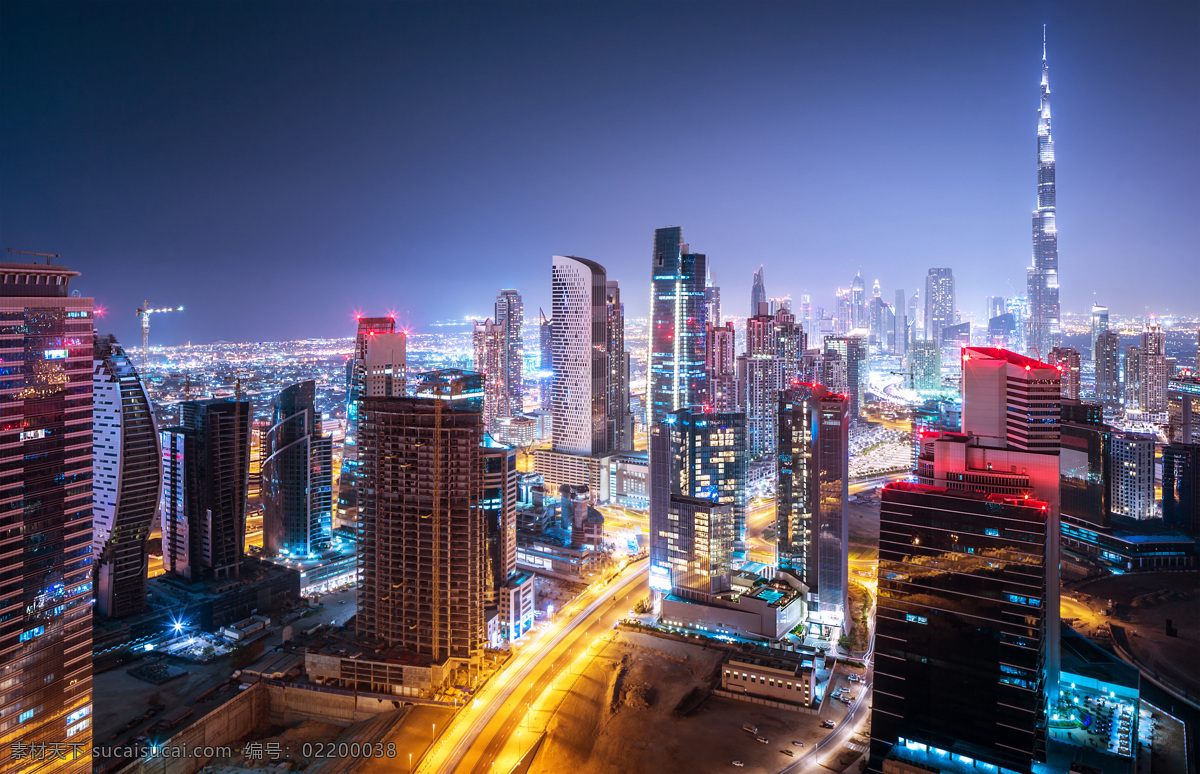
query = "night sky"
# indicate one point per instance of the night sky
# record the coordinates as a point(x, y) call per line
point(275, 167)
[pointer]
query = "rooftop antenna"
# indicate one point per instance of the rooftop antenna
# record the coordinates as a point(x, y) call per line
point(1043, 43)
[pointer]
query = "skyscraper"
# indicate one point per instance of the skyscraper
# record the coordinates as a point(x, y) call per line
point(510, 316)
point(356, 378)
point(759, 380)
point(1132, 475)
point(487, 341)
point(546, 376)
point(1099, 323)
point(939, 303)
point(1108, 375)
point(1067, 360)
point(962, 629)
point(810, 495)
point(858, 302)
point(498, 506)
point(206, 472)
point(421, 559)
point(678, 325)
point(1044, 333)
point(899, 339)
point(1132, 377)
point(297, 475)
point(1152, 385)
point(705, 459)
point(790, 342)
point(853, 351)
point(620, 420)
point(722, 368)
point(925, 364)
point(580, 351)
point(127, 480)
point(1181, 487)
point(758, 291)
point(46, 631)
point(712, 303)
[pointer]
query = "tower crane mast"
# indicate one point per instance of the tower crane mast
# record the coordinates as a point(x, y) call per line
point(144, 312)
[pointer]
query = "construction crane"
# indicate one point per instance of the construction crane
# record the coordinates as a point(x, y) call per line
point(145, 313)
point(47, 256)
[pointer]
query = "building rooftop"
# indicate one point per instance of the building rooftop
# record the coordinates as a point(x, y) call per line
point(965, 494)
point(995, 353)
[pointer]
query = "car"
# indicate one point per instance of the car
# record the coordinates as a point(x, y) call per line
point(798, 744)
point(739, 764)
point(788, 753)
point(826, 724)
point(762, 739)
point(341, 601)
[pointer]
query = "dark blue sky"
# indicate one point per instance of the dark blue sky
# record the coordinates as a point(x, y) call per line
point(275, 166)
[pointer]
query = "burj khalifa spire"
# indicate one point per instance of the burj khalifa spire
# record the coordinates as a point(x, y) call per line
point(1044, 332)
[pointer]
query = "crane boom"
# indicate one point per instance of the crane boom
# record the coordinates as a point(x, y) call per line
point(144, 312)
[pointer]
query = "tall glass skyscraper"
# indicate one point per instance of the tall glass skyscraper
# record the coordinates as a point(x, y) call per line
point(758, 291)
point(579, 299)
point(356, 378)
point(679, 325)
point(297, 475)
point(510, 315)
point(1044, 330)
point(46, 584)
point(939, 303)
point(128, 477)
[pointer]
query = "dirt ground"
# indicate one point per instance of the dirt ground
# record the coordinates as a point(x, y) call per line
point(619, 716)
point(1142, 603)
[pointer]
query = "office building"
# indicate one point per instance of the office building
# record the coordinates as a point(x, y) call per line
point(1001, 330)
point(1010, 401)
point(127, 474)
point(46, 631)
point(620, 419)
point(900, 327)
point(1043, 330)
point(961, 630)
point(498, 511)
point(1183, 409)
point(758, 291)
point(858, 302)
point(1108, 376)
point(721, 362)
point(580, 353)
point(487, 341)
point(1152, 385)
point(1181, 487)
point(1068, 362)
point(678, 320)
point(206, 474)
point(510, 316)
point(421, 556)
point(297, 476)
point(356, 388)
point(384, 365)
point(1085, 465)
point(812, 477)
point(853, 351)
point(693, 539)
point(790, 342)
point(939, 304)
point(1099, 324)
point(706, 460)
point(759, 381)
point(1132, 475)
point(996, 306)
point(712, 302)
point(1131, 381)
point(925, 365)
point(546, 375)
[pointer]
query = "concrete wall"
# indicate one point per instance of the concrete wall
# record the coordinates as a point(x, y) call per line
point(294, 704)
point(237, 719)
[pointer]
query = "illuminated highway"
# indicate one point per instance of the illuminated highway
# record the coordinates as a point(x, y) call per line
point(480, 730)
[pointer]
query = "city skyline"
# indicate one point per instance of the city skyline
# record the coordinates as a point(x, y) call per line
point(775, 214)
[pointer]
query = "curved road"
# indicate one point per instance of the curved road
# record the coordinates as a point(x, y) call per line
point(479, 731)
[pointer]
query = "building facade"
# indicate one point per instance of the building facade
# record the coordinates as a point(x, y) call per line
point(721, 362)
point(297, 476)
point(1044, 332)
point(620, 420)
point(580, 351)
point(421, 553)
point(940, 309)
point(206, 475)
point(510, 316)
point(127, 480)
point(1068, 362)
point(1132, 475)
point(1107, 356)
point(46, 631)
point(678, 325)
point(356, 387)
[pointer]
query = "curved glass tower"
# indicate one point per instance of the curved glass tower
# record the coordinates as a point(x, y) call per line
point(1044, 331)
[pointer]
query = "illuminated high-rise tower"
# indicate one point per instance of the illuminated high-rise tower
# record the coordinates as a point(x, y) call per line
point(679, 324)
point(127, 475)
point(580, 350)
point(758, 292)
point(46, 585)
point(1043, 332)
point(297, 472)
point(356, 389)
point(510, 315)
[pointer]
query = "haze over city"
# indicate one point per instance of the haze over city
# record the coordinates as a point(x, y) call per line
point(412, 157)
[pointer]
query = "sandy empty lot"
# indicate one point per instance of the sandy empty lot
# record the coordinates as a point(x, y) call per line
point(619, 716)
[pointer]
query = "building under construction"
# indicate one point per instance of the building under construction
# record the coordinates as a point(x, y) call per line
point(421, 560)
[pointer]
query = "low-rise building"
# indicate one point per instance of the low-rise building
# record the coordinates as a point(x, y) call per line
point(778, 678)
point(559, 469)
point(397, 671)
point(516, 606)
point(767, 611)
point(624, 480)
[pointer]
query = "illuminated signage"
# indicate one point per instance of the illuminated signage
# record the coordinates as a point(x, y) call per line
point(55, 354)
point(32, 435)
point(660, 579)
